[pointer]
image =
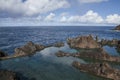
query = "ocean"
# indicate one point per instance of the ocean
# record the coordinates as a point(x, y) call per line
point(44, 65)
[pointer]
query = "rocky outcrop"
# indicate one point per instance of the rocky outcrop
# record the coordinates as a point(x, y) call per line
point(83, 42)
point(117, 27)
point(2, 54)
point(91, 54)
point(28, 49)
point(113, 42)
point(99, 69)
point(8, 75)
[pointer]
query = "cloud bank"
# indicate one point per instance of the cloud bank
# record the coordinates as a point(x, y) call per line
point(90, 17)
point(31, 7)
point(31, 12)
point(92, 1)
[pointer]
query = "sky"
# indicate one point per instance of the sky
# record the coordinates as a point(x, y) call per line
point(59, 12)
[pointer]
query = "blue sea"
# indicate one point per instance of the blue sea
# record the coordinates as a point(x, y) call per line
point(44, 65)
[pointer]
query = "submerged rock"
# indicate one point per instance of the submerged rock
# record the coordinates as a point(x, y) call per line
point(117, 27)
point(83, 42)
point(2, 54)
point(8, 75)
point(99, 69)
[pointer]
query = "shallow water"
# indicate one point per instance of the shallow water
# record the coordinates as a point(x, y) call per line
point(44, 65)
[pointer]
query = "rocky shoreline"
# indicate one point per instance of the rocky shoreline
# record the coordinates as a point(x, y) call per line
point(28, 49)
point(101, 56)
point(98, 69)
point(11, 75)
point(92, 49)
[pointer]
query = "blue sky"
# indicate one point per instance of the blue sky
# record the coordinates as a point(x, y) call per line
point(59, 12)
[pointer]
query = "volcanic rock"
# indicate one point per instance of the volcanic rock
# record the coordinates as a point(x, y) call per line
point(83, 42)
point(28, 49)
point(8, 75)
point(118, 46)
point(113, 42)
point(117, 27)
point(99, 54)
point(2, 54)
point(99, 69)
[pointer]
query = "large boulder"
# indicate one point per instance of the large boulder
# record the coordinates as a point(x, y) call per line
point(2, 54)
point(85, 42)
point(117, 27)
point(99, 69)
point(28, 49)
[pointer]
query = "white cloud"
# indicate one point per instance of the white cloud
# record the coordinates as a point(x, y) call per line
point(50, 17)
point(92, 17)
point(92, 1)
point(32, 7)
point(113, 19)
point(89, 17)
point(63, 19)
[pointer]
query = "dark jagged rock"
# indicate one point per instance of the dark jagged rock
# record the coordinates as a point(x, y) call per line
point(2, 54)
point(83, 42)
point(28, 49)
point(118, 46)
point(99, 69)
point(117, 27)
point(8, 75)
point(91, 54)
point(113, 42)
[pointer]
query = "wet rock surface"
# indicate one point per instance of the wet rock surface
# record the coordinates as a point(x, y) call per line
point(91, 54)
point(87, 42)
point(117, 27)
point(113, 42)
point(2, 54)
point(98, 69)
point(28, 49)
point(8, 75)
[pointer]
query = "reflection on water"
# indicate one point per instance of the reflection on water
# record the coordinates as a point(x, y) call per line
point(111, 50)
point(46, 66)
